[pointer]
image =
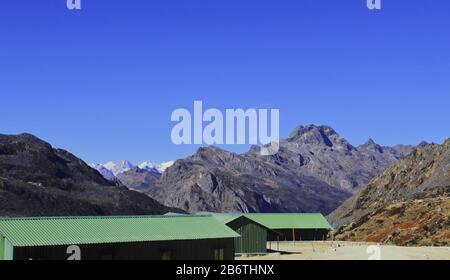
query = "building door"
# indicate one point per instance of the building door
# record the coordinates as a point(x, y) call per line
point(167, 255)
point(219, 254)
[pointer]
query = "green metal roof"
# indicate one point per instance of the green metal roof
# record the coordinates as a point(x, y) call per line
point(175, 214)
point(225, 217)
point(277, 220)
point(22, 232)
point(291, 220)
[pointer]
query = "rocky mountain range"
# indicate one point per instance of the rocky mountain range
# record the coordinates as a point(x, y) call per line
point(320, 152)
point(39, 180)
point(216, 180)
point(314, 171)
point(407, 204)
point(139, 179)
point(105, 172)
point(111, 170)
point(157, 168)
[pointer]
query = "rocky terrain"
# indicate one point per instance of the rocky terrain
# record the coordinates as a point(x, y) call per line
point(139, 179)
point(407, 204)
point(417, 222)
point(38, 180)
point(105, 172)
point(217, 180)
point(320, 152)
point(314, 171)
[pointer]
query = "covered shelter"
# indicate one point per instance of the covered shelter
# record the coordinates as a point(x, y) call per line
point(293, 226)
point(117, 238)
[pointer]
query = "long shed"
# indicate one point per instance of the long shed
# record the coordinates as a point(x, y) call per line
point(293, 226)
point(124, 238)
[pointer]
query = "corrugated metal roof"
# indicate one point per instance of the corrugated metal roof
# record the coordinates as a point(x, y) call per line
point(175, 214)
point(45, 231)
point(225, 217)
point(277, 220)
point(291, 220)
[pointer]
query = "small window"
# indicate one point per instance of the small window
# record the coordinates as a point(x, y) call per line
point(166, 255)
point(219, 254)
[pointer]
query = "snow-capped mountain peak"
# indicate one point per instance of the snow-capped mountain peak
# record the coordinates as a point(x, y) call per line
point(111, 169)
point(114, 168)
point(106, 173)
point(161, 167)
point(109, 165)
point(147, 165)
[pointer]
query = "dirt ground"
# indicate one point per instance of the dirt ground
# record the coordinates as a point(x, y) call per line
point(334, 250)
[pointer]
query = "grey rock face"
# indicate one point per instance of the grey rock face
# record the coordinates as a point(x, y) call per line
point(217, 180)
point(314, 171)
point(38, 180)
point(320, 152)
point(424, 172)
point(139, 179)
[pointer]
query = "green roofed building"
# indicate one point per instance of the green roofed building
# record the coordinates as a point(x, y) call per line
point(133, 238)
point(293, 226)
point(252, 237)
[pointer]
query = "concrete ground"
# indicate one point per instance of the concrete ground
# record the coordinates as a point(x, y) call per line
point(334, 250)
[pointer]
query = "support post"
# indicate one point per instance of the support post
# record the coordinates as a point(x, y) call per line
point(293, 235)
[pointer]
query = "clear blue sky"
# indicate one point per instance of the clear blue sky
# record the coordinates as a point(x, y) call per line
point(102, 82)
